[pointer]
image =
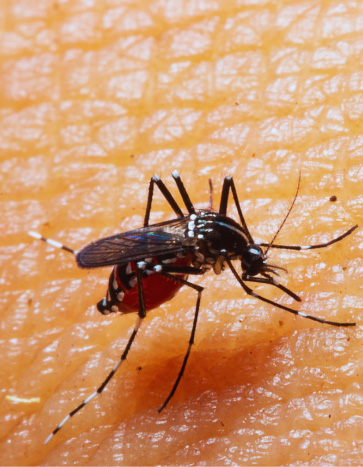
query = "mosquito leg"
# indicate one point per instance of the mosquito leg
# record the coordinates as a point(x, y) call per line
point(103, 385)
point(54, 243)
point(167, 195)
point(290, 310)
point(183, 192)
point(311, 247)
point(228, 185)
point(142, 314)
point(199, 290)
point(210, 194)
point(170, 269)
point(224, 196)
point(271, 281)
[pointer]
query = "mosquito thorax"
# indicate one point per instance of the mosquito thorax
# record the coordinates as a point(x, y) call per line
point(253, 260)
point(208, 234)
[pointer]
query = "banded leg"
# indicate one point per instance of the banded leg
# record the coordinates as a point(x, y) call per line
point(228, 185)
point(142, 314)
point(310, 247)
point(271, 281)
point(210, 194)
point(51, 242)
point(271, 302)
point(182, 270)
point(183, 192)
point(199, 290)
point(168, 196)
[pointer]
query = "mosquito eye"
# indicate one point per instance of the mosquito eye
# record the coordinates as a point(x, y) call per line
point(252, 259)
point(254, 252)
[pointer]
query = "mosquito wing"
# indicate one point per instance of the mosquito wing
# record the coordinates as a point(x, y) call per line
point(135, 245)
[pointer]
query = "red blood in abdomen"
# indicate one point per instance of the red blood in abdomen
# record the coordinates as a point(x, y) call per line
point(157, 288)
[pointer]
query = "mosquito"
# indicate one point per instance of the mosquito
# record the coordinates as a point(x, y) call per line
point(152, 263)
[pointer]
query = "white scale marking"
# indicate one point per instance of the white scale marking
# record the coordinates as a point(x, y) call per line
point(133, 282)
point(89, 398)
point(35, 235)
point(47, 240)
point(59, 426)
point(54, 243)
point(236, 230)
point(169, 261)
point(94, 394)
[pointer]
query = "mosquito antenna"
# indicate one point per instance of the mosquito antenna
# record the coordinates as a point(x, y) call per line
point(287, 215)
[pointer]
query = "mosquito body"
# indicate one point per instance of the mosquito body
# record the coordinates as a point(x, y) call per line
point(152, 263)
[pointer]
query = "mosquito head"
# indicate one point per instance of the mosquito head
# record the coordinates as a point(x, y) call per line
point(253, 260)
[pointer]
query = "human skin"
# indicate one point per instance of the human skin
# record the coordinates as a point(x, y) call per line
point(95, 99)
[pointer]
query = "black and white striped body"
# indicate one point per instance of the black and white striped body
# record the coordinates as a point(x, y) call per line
point(201, 237)
point(122, 293)
point(208, 234)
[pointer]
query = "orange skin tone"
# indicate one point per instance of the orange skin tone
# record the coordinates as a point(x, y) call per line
point(95, 100)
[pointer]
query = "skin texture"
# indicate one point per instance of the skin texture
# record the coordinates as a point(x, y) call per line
point(95, 98)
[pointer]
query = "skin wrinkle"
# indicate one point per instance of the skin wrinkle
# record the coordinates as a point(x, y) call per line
point(95, 99)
